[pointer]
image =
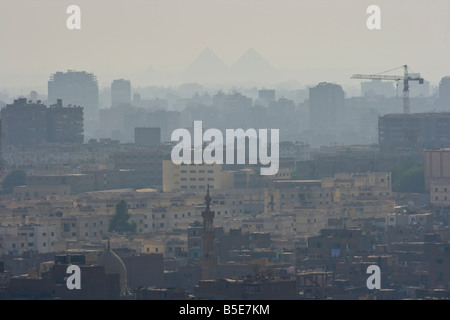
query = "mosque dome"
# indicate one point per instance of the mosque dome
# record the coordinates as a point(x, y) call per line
point(113, 264)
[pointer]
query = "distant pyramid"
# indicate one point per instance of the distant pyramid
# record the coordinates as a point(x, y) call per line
point(207, 67)
point(251, 66)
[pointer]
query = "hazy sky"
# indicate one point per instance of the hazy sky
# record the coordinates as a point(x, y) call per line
point(326, 40)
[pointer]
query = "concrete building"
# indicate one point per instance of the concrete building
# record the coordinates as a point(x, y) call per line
point(24, 124)
point(256, 288)
point(402, 220)
point(299, 151)
point(190, 177)
point(85, 225)
point(440, 192)
point(22, 193)
point(240, 179)
point(19, 239)
point(360, 184)
point(436, 165)
point(65, 124)
point(326, 102)
point(78, 88)
point(412, 133)
point(77, 182)
point(444, 94)
point(120, 92)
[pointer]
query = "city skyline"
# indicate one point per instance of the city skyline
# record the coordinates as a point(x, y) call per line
point(306, 41)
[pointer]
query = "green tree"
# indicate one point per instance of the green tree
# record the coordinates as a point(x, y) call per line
point(14, 179)
point(408, 177)
point(119, 222)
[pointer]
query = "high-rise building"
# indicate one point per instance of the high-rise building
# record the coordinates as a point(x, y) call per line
point(24, 124)
point(444, 93)
point(120, 92)
point(65, 125)
point(75, 88)
point(412, 133)
point(326, 102)
point(27, 124)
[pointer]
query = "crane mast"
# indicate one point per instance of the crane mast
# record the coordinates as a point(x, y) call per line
point(405, 78)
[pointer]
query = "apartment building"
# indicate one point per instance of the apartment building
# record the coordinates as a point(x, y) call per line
point(191, 177)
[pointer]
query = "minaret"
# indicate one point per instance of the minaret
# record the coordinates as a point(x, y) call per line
point(208, 260)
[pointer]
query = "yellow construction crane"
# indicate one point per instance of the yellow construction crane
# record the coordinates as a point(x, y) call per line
point(405, 78)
